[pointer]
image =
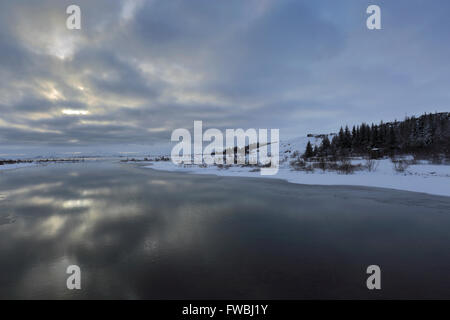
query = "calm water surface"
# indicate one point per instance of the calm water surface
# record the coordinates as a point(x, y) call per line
point(140, 233)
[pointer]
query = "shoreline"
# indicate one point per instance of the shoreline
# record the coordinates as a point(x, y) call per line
point(422, 178)
point(412, 182)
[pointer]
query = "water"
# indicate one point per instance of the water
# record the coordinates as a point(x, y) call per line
point(139, 233)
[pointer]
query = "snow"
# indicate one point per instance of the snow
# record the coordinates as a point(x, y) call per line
point(420, 177)
point(16, 166)
point(299, 144)
point(431, 179)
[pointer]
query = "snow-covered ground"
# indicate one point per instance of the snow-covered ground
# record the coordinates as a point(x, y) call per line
point(420, 177)
point(299, 144)
point(16, 166)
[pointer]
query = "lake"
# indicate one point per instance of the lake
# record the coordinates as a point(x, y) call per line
point(138, 233)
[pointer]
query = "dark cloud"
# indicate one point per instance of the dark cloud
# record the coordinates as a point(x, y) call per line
point(139, 69)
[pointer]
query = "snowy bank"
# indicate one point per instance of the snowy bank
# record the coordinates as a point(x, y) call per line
point(426, 178)
point(16, 166)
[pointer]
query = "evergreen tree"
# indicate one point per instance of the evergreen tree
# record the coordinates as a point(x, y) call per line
point(325, 146)
point(428, 134)
point(347, 138)
point(374, 136)
point(316, 151)
point(308, 151)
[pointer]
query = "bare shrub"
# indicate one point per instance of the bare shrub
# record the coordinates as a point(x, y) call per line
point(161, 158)
point(298, 164)
point(371, 165)
point(345, 166)
point(400, 165)
point(446, 161)
point(309, 168)
point(322, 164)
point(436, 159)
point(223, 166)
point(265, 165)
point(332, 165)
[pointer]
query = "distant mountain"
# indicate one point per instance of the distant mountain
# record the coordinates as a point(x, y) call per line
point(48, 152)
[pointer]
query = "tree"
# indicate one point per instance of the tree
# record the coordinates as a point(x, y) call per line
point(341, 138)
point(374, 141)
point(308, 151)
point(392, 138)
point(347, 138)
point(316, 151)
point(325, 146)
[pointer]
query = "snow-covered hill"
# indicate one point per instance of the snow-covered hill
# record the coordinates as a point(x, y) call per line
point(289, 146)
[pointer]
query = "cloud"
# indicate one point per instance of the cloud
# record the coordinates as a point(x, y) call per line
point(139, 69)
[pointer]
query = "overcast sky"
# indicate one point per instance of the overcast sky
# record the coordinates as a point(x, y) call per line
point(139, 69)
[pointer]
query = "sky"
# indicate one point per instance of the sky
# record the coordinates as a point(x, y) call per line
point(139, 69)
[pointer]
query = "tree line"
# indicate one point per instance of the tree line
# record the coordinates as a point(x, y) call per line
point(427, 135)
